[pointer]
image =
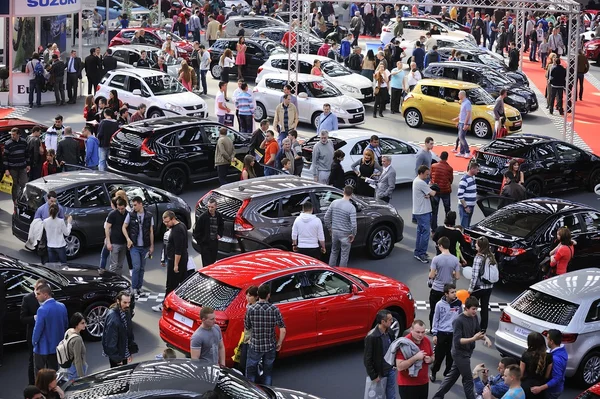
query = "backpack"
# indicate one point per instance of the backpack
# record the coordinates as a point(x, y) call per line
point(38, 70)
point(63, 355)
point(489, 273)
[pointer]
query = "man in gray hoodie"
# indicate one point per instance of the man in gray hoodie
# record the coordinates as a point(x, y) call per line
point(322, 158)
point(307, 233)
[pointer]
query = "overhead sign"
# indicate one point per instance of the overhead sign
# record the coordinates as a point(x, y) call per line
point(30, 8)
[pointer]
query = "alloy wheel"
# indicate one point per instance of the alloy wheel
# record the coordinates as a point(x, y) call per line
point(73, 245)
point(413, 118)
point(382, 242)
point(95, 321)
point(591, 370)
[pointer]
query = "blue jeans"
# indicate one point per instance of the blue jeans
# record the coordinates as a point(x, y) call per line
point(435, 206)
point(281, 136)
point(390, 384)
point(544, 57)
point(72, 372)
point(465, 218)
point(138, 261)
point(253, 358)
point(102, 156)
point(57, 255)
point(532, 52)
point(104, 254)
point(423, 229)
point(35, 86)
point(462, 138)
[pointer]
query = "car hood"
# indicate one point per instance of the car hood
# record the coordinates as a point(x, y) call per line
point(80, 274)
point(283, 393)
point(356, 80)
point(345, 102)
point(182, 99)
point(375, 279)
point(518, 89)
point(509, 110)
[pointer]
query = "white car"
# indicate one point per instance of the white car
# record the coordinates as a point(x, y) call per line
point(313, 93)
point(128, 55)
point(354, 141)
point(447, 41)
point(415, 27)
point(162, 94)
point(349, 83)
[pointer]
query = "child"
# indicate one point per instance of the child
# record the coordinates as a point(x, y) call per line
point(285, 166)
point(544, 52)
point(446, 310)
point(51, 166)
point(512, 378)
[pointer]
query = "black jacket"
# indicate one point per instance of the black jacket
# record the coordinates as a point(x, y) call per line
point(336, 177)
point(116, 337)
point(69, 151)
point(513, 59)
point(58, 70)
point(202, 228)
point(33, 149)
point(109, 63)
point(93, 67)
point(2, 298)
point(373, 358)
point(29, 308)
point(258, 137)
point(106, 129)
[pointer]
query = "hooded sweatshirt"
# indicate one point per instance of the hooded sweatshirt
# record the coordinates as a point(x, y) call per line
point(445, 314)
point(559, 368)
point(308, 230)
point(432, 56)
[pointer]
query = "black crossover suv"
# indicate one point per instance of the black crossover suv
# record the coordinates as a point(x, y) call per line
point(171, 151)
point(264, 209)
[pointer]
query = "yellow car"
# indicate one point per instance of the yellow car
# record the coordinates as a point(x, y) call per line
point(436, 101)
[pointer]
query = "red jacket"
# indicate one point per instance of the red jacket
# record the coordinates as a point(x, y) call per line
point(442, 174)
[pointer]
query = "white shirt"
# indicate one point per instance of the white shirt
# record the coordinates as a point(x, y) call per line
point(228, 62)
point(412, 78)
point(220, 99)
point(56, 230)
point(205, 61)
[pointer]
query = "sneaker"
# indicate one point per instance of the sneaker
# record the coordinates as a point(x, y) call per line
point(157, 308)
point(422, 258)
point(458, 154)
point(455, 151)
point(468, 156)
point(432, 376)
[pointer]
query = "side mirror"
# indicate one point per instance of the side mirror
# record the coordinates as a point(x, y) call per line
point(136, 92)
point(354, 290)
point(303, 96)
point(449, 99)
point(135, 64)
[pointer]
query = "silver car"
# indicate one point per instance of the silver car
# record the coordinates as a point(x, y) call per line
point(569, 303)
point(128, 55)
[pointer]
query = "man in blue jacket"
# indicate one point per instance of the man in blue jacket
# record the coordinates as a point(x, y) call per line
point(117, 340)
point(497, 385)
point(556, 385)
point(51, 322)
point(418, 55)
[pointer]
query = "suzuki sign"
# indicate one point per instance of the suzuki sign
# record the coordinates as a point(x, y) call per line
point(30, 8)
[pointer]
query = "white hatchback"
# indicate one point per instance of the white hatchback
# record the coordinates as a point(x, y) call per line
point(415, 27)
point(313, 93)
point(162, 94)
point(349, 83)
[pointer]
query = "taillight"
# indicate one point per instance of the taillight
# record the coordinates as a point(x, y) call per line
point(241, 224)
point(114, 134)
point(505, 318)
point(97, 88)
point(467, 238)
point(222, 324)
point(145, 151)
point(511, 251)
point(408, 96)
point(386, 29)
point(566, 338)
point(259, 70)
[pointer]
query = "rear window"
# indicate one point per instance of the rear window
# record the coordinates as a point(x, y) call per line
point(33, 197)
point(545, 307)
point(515, 221)
point(227, 206)
point(202, 290)
point(509, 148)
point(131, 137)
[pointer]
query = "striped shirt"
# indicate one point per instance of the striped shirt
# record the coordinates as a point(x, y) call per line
point(467, 190)
point(245, 103)
point(341, 216)
point(15, 154)
point(476, 283)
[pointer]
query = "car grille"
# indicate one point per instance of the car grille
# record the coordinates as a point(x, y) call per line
point(545, 307)
point(358, 119)
point(356, 110)
point(193, 107)
point(227, 206)
point(514, 118)
point(367, 91)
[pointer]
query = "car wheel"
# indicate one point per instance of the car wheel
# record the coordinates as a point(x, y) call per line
point(380, 242)
point(74, 245)
point(588, 373)
point(155, 113)
point(594, 179)
point(174, 180)
point(215, 71)
point(397, 326)
point(534, 186)
point(350, 180)
point(260, 113)
point(481, 129)
point(95, 314)
point(413, 118)
point(315, 120)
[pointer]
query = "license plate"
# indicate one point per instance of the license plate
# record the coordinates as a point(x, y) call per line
point(26, 216)
point(487, 170)
point(522, 331)
point(358, 116)
point(199, 114)
point(122, 153)
point(182, 319)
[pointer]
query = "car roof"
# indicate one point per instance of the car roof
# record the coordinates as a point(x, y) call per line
point(135, 47)
point(304, 57)
point(528, 138)
point(456, 84)
point(265, 17)
point(302, 77)
point(546, 206)
point(65, 179)
point(164, 122)
point(263, 186)
point(578, 287)
point(464, 51)
point(138, 72)
point(463, 64)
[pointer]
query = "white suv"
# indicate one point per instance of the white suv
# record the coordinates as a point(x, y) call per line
point(162, 93)
point(415, 27)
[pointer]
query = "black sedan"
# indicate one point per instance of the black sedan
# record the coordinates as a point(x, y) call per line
point(258, 52)
point(81, 288)
point(549, 164)
point(276, 34)
point(522, 234)
point(171, 379)
point(483, 57)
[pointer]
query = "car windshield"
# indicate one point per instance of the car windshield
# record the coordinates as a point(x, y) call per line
point(489, 59)
point(163, 35)
point(498, 79)
point(164, 84)
point(334, 69)
point(517, 221)
point(322, 89)
point(273, 48)
point(478, 96)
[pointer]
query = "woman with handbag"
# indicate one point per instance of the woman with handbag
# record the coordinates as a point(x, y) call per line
point(76, 347)
point(226, 63)
point(241, 350)
point(382, 78)
point(479, 287)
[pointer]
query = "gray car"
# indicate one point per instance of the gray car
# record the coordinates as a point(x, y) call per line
point(264, 209)
point(128, 55)
point(569, 303)
point(85, 195)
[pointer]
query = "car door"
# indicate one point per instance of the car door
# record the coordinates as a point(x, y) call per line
point(18, 283)
point(122, 58)
point(297, 310)
point(291, 208)
point(255, 57)
point(119, 83)
point(587, 250)
point(581, 255)
point(305, 105)
point(159, 203)
point(548, 169)
point(451, 107)
point(403, 158)
point(128, 97)
point(90, 210)
point(190, 147)
point(272, 93)
point(334, 300)
point(432, 107)
point(210, 137)
point(571, 163)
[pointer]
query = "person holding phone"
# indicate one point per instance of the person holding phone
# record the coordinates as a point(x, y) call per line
point(497, 385)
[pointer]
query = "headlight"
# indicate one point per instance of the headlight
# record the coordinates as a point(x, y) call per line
point(174, 108)
point(592, 47)
point(350, 89)
point(337, 110)
point(409, 296)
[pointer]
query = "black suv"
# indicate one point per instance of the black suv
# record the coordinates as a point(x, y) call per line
point(258, 52)
point(492, 81)
point(276, 33)
point(171, 151)
point(264, 209)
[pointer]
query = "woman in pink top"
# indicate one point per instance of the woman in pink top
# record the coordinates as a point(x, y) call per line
point(185, 75)
point(240, 58)
point(316, 69)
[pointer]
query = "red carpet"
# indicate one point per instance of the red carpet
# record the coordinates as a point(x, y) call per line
point(4, 112)
point(586, 111)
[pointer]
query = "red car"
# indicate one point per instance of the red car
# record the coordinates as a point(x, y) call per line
point(592, 50)
point(592, 393)
point(154, 37)
point(321, 305)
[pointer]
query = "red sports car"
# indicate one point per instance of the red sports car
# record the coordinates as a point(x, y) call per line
point(592, 50)
point(592, 393)
point(321, 305)
point(154, 37)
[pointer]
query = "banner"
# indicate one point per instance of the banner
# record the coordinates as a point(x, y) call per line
point(30, 8)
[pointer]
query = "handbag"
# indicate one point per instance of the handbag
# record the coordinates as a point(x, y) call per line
point(228, 121)
point(375, 390)
point(378, 87)
point(6, 184)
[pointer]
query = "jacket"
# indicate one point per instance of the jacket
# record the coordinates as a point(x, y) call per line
point(50, 326)
point(224, 152)
point(36, 229)
point(278, 120)
point(92, 158)
point(323, 50)
point(77, 351)
point(496, 383)
point(419, 57)
point(201, 231)
point(93, 67)
point(116, 338)
point(442, 174)
point(386, 184)
point(583, 65)
point(374, 356)
point(308, 230)
point(354, 62)
point(409, 349)
point(15, 154)
point(57, 71)
point(559, 368)
point(34, 146)
point(76, 65)
point(109, 63)
point(106, 129)
point(336, 177)
point(432, 56)
point(444, 315)
point(69, 151)
point(29, 308)
point(133, 228)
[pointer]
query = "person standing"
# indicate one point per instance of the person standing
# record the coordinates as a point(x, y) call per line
point(258, 136)
point(442, 174)
point(35, 72)
point(397, 83)
point(118, 341)
point(208, 231)
point(286, 118)
point(221, 109)
point(92, 145)
point(57, 73)
point(463, 120)
point(262, 318)
point(356, 24)
point(308, 237)
point(51, 322)
point(93, 68)
point(115, 239)
point(382, 77)
point(16, 161)
point(583, 66)
point(557, 82)
point(244, 102)
point(336, 177)
point(386, 183)
point(271, 148)
point(109, 63)
point(107, 127)
point(340, 220)
point(322, 158)
point(56, 231)
point(240, 58)
point(287, 89)
point(35, 152)
point(327, 120)
point(413, 357)
point(207, 341)
point(479, 287)
point(224, 154)
point(76, 347)
point(73, 75)
point(499, 111)
point(68, 152)
point(377, 344)
point(195, 25)
point(445, 269)
point(138, 229)
point(28, 316)
point(204, 67)
point(513, 57)
point(421, 209)
point(424, 156)
point(298, 163)
point(177, 251)
point(556, 385)
point(446, 311)
point(467, 195)
point(367, 165)
point(212, 30)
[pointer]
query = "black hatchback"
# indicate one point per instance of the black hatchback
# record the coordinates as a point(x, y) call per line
point(276, 33)
point(549, 164)
point(258, 52)
point(171, 151)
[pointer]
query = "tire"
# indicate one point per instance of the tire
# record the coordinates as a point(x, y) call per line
point(588, 372)
point(398, 325)
point(350, 180)
point(260, 113)
point(535, 186)
point(215, 71)
point(75, 245)
point(481, 129)
point(95, 315)
point(174, 180)
point(413, 118)
point(155, 113)
point(315, 120)
point(380, 242)
point(594, 179)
